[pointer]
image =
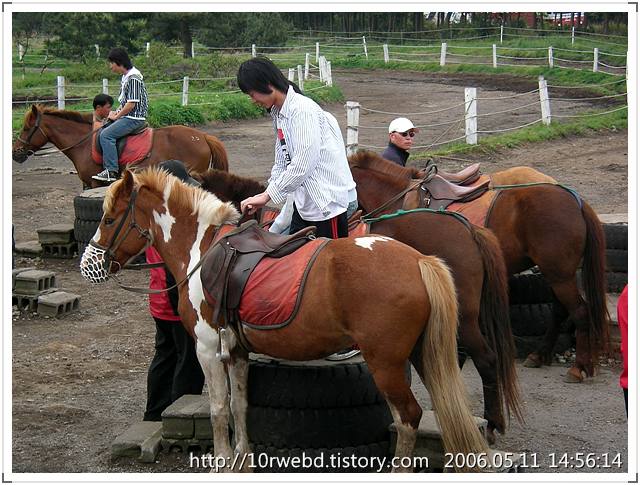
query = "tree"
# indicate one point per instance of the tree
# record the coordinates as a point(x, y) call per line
point(171, 26)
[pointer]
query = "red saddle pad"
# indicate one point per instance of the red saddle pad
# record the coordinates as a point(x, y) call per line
point(136, 148)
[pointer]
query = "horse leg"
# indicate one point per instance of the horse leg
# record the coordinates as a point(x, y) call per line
point(543, 355)
point(216, 378)
point(485, 361)
point(238, 377)
point(392, 383)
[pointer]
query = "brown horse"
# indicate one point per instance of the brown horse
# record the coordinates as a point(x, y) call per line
point(71, 132)
point(477, 266)
point(394, 302)
point(544, 225)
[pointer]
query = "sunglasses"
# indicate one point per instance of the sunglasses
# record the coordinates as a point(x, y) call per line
point(407, 133)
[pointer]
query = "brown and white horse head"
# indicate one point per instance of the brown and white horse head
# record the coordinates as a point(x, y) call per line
point(31, 138)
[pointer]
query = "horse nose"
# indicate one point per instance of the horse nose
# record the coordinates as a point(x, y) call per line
point(19, 157)
point(94, 265)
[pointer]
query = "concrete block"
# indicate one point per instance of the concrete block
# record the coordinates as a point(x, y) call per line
point(187, 445)
point(177, 419)
point(29, 249)
point(56, 234)
point(60, 251)
point(25, 302)
point(142, 441)
point(34, 282)
point(16, 272)
point(202, 421)
point(58, 303)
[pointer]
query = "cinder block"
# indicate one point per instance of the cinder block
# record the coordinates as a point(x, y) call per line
point(177, 419)
point(202, 421)
point(142, 441)
point(34, 282)
point(192, 444)
point(16, 272)
point(56, 234)
point(30, 249)
point(25, 302)
point(58, 303)
point(60, 251)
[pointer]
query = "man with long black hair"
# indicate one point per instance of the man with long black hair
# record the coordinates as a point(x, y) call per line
point(310, 158)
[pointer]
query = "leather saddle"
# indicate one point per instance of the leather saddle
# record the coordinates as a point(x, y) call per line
point(466, 176)
point(230, 261)
point(438, 193)
point(121, 143)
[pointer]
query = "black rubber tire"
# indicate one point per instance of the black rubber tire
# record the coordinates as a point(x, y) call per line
point(617, 260)
point(262, 453)
point(616, 235)
point(527, 288)
point(616, 281)
point(88, 205)
point(324, 428)
point(326, 384)
point(530, 320)
point(84, 230)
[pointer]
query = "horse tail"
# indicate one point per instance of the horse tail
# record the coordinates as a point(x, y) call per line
point(441, 374)
point(219, 157)
point(593, 282)
point(495, 321)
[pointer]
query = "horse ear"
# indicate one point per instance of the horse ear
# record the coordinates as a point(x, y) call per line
point(127, 181)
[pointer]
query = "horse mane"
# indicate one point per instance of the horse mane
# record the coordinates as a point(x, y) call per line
point(60, 113)
point(368, 160)
point(204, 205)
point(229, 187)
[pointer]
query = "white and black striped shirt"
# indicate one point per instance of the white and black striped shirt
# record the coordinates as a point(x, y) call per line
point(310, 160)
point(133, 90)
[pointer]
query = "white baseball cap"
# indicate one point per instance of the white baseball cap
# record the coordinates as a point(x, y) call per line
point(401, 125)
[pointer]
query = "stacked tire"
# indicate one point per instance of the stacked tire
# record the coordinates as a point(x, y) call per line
point(88, 211)
point(617, 259)
point(321, 410)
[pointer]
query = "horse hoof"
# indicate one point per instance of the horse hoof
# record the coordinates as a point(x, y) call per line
point(573, 376)
point(532, 361)
point(491, 437)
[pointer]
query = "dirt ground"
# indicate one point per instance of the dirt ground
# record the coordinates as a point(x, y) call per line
point(79, 381)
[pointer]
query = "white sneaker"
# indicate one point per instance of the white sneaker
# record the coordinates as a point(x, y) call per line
point(343, 354)
point(106, 176)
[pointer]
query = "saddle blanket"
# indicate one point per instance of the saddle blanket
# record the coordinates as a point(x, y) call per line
point(477, 210)
point(274, 290)
point(136, 147)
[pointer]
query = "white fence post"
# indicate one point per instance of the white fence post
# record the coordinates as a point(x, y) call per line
point(329, 76)
point(292, 74)
point(97, 51)
point(595, 59)
point(317, 51)
point(193, 50)
point(322, 67)
point(495, 56)
point(306, 66)
point(20, 52)
point(550, 56)
point(300, 78)
point(253, 50)
point(353, 120)
point(573, 35)
point(105, 86)
point(471, 115)
point(185, 90)
point(364, 46)
point(501, 32)
point(545, 107)
point(147, 49)
point(385, 50)
point(443, 54)
point(60, 92)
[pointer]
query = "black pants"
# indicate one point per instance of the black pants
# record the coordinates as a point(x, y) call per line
point(174, 370)
point(332, 228)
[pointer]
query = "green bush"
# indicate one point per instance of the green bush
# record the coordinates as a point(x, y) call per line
point(164, 114)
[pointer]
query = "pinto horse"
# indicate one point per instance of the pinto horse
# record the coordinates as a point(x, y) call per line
point(477, 266)
point(71, 132)
point(544, 225)
point(394, 302)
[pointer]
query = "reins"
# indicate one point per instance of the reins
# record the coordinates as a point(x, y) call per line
point(430, 173)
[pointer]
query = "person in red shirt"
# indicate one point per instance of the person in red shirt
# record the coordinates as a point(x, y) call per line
point(174, 370)
point(623, 317)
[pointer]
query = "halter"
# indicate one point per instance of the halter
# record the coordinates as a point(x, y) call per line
point(36, 127)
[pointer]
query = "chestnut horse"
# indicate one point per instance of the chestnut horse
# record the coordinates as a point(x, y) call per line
point(71, 132)
point(477, 266)
point(394, 302)
point(545, 225)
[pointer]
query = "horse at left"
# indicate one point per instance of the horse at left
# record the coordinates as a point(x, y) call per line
point(72, 133)
point(397, 304)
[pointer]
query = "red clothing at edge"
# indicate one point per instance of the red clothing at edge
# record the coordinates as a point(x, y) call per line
point(159, 303)
point(623, 316)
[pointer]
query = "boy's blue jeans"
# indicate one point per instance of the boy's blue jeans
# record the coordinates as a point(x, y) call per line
point(110, 135)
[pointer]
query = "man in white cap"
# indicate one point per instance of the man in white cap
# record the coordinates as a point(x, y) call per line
point(401, 133)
